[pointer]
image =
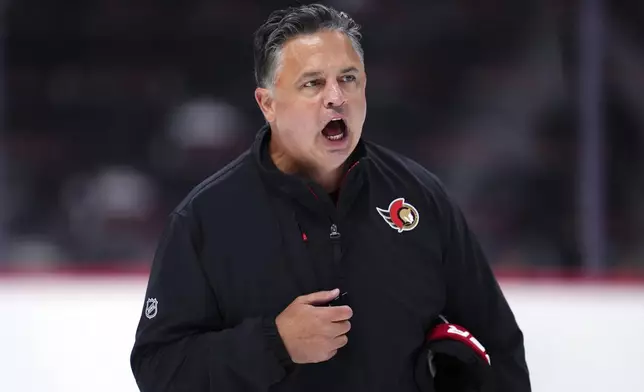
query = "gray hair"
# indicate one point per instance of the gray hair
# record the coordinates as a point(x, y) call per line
point(283, 25)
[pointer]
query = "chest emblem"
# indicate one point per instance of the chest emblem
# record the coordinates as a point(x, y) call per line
point(400, 216)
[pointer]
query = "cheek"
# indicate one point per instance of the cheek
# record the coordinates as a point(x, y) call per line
point(298, 126)
point(295, 111)
point(359, 110)
point(300, 118)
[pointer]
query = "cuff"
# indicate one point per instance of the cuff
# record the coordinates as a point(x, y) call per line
point(275, 343)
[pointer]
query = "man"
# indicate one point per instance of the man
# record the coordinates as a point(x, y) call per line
point(316, 261)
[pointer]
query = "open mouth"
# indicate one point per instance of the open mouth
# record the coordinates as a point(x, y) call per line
point(335, 130)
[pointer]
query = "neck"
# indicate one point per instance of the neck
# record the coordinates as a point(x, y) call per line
point(328, 180)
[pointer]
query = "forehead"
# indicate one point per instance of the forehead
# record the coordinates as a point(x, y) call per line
point(325, 51)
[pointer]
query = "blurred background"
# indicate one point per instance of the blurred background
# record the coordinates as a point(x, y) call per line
point(532, 113)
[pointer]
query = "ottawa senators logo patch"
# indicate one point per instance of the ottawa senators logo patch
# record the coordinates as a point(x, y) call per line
point(400, 216)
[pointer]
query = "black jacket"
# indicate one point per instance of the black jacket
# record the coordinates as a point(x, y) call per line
point(249, 240)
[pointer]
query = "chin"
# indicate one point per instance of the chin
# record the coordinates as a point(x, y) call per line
point(337, 159)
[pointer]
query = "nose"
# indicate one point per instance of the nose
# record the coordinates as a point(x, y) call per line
point(334, 96)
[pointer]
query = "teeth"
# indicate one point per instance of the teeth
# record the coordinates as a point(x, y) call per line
point(336, 137)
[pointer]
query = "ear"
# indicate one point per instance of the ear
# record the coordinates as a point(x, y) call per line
point(265, 102)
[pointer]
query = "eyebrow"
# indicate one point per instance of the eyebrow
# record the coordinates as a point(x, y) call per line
point(315, 74)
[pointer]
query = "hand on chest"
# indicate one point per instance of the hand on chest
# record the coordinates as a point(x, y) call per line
point(380, 253)
point(387, 255)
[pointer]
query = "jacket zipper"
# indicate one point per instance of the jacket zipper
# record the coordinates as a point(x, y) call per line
point(335, 237)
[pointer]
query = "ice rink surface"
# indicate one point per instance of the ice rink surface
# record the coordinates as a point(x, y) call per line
point(74, 334)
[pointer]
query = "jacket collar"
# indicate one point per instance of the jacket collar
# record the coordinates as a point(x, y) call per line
point(303, 189)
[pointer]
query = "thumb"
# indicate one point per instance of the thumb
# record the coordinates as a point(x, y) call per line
point(320, 297)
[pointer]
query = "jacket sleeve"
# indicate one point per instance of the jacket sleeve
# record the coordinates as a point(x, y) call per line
point(181, 342)
point(475, 300)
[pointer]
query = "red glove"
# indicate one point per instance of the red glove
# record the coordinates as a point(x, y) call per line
point(452, 360)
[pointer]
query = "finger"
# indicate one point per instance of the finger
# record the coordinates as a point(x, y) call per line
point(345, 327)
point(331, 354)
point(319, 298)
point(336, 313)
point(338, 328)
point(340, 341)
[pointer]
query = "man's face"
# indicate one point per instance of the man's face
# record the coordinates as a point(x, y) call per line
point(320, 78)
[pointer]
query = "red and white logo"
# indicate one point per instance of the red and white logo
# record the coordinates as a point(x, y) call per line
point(400, 216)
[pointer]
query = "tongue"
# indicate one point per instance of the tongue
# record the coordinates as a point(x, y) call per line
point(332, 129)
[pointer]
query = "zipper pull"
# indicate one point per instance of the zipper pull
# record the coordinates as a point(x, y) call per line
point(335, 234)
point(337, 247)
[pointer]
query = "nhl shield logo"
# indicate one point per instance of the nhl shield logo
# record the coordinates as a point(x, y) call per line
point(151, 307)
point(401, 216)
